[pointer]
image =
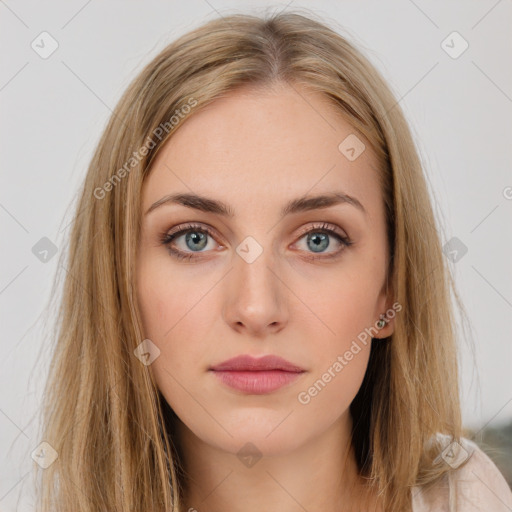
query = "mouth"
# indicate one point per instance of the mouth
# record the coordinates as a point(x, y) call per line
point(257, 376)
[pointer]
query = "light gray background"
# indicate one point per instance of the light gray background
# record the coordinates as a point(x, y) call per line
point(54, 109)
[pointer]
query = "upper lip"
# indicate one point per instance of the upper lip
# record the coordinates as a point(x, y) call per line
point(249, 363)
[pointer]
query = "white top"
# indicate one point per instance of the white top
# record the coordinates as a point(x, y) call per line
point(478, 486)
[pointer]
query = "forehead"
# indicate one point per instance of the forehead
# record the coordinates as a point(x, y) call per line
point(260, 147)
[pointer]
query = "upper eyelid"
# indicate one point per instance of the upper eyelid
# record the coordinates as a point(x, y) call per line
point(319, 225)
point(183, 228)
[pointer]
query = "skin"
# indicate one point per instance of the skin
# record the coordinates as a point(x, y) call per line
point(255, 150)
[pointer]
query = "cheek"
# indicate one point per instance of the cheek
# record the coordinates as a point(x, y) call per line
point(177, 315)
point(344, 308)
point(341, 345)
point(340, 353)
point(330, 394)
point(167, 297)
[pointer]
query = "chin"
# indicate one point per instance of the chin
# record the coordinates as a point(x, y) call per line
point(267, 436)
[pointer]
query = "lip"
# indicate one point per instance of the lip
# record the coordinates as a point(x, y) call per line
point(257, 375)
point(248, 363)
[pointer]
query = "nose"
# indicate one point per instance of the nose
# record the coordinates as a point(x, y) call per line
point(255, 297)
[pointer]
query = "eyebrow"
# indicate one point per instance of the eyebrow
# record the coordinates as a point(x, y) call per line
point(301, 204)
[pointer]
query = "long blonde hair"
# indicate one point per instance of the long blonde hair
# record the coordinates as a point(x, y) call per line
point(103, 413)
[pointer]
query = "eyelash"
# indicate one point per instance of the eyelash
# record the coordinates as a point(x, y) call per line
point(166, 239)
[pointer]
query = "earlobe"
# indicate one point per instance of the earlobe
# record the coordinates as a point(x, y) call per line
point(382, 321)
point(385, 326)
point(385, 323)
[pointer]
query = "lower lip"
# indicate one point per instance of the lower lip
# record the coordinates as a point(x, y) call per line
point(257, 382)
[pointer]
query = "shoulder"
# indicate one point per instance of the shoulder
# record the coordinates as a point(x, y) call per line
point(474, 484)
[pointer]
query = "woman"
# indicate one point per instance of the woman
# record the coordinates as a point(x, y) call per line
point(256, 310)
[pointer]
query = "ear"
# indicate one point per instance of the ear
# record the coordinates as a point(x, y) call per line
point(387, 310)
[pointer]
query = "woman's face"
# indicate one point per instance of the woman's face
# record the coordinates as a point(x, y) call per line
point(257, 284)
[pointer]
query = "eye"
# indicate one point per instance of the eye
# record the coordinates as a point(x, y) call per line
point(195, 239)
point(190, 240)
point(317, 240)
